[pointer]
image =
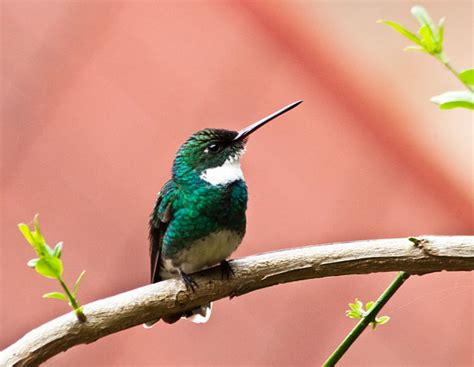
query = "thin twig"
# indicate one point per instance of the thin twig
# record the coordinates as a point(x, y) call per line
point(366, 319)
point(72, 300)
point(445, 61)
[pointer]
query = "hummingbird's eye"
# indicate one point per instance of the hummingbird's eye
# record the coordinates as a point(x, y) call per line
point(213, 148)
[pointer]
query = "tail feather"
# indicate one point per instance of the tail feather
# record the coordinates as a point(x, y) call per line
point(199, 315)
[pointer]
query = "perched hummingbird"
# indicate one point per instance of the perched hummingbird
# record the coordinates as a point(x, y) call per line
point(199, 217)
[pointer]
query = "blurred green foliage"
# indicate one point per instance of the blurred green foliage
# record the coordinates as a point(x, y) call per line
point(49, 264)
point(430, 39)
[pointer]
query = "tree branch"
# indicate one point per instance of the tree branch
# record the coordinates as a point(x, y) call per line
point(125, 310)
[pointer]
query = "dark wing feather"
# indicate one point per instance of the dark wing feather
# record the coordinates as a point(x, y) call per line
point(159, 220)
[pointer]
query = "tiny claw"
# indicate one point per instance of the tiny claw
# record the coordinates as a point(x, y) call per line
point(189, 281)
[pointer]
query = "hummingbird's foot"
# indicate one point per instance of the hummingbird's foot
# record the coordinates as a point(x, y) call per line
point(188, 280)
point(226, 270)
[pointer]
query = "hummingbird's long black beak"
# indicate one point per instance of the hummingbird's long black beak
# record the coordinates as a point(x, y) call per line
point(242, 134)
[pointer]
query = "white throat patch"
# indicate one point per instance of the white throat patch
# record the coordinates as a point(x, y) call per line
point(229, 172)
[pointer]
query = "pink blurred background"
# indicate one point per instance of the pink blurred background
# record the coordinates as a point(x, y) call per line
point(97, 97)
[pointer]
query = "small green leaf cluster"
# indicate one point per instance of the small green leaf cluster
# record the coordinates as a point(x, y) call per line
point(430, 40)
point(357, 311)
point(49, 264)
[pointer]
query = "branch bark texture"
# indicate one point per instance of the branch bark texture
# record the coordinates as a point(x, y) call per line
point(125, 310)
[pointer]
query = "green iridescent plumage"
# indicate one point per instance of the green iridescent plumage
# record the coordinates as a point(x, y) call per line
point(203, 210)
point(189, 207)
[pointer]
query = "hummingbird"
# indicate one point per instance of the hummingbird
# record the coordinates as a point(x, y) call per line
point(199, 219)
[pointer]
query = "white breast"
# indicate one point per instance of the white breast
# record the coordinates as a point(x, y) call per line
point(229, 172)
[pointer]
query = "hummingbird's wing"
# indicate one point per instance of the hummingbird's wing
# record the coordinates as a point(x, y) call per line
point(159, 220)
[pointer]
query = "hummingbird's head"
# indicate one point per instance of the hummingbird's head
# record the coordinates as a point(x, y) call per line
point(214, 154)
point(210, 148)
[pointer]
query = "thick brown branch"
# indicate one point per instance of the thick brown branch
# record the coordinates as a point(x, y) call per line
point(137, 306)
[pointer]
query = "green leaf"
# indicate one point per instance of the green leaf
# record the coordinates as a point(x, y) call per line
point(354, 306)
point(353, 314)
point(427, 39)
point(382, 320)
point(32, 263)
point(422, 16)
point(467, 76)
point(454, 99)
point(37, 231)
point(78, 281)
point(25, 230)
point(402, 30)
point(50, 267)
point(369, 305)
point(30, 238)
point(34, 238)
point(56, 295)
point(428, 30)
point(58, 250)
point(440, 36)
